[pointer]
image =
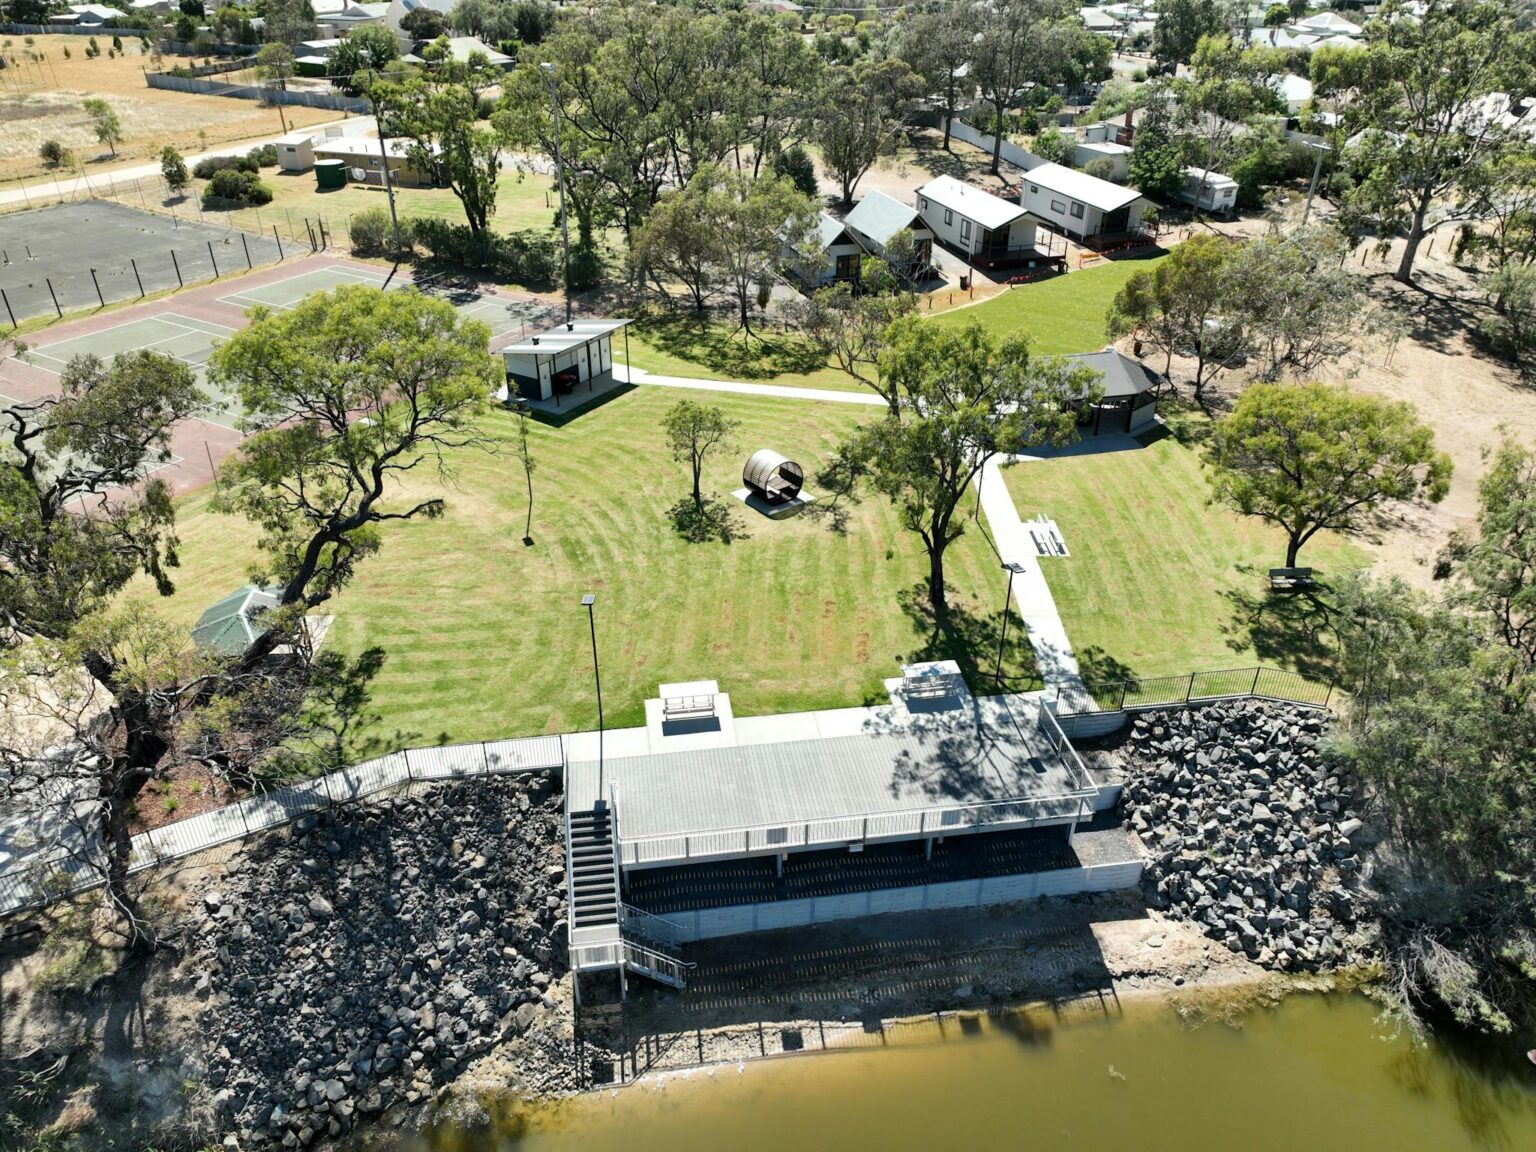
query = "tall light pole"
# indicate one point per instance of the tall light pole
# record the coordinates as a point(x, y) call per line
point(565, 228)
point(587, 602)
point(1013, 568)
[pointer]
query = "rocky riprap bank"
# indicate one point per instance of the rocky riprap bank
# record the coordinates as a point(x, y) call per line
point(1249, 831)
point(370, 953)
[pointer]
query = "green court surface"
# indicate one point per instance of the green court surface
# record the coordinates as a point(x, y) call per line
point(505, 317)
point(286, 293)
point(187, 338)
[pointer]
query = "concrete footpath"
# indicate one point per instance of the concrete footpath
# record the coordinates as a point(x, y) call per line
point(742, 388)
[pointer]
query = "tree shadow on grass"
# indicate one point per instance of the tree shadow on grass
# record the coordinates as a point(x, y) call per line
point(1101, 671)
point(1291, 629)
point(707, 343)
point(714, 521)
point(971, 640)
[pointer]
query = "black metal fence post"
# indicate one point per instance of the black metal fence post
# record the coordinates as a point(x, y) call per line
point(213, 260)
point(176, 264)
point(8, 311)
point(97, 284)
point(1254, 691)
point(247, 248)
point(279, 240)
point(137, 277)
point(55, 296)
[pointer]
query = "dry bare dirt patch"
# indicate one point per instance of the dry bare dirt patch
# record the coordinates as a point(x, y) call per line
point(41, 98)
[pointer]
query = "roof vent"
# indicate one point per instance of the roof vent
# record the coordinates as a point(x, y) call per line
point(535, 339)
point(569, 327)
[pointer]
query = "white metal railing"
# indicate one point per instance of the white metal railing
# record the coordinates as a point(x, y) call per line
point(650, 925)
point(837, 830)
point(1065, 753)
point(629, 954)
point(667, 969)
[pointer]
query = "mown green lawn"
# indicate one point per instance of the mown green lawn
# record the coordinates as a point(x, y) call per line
point(1161, 582)
point(1062, 315)
point(709, 348)
point(486, 637)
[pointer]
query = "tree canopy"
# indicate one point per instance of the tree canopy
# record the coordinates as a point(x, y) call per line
point(962, 397)
point(349, 392)
point(1311, 457)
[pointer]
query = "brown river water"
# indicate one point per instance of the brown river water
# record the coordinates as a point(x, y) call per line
point(1313, 1072)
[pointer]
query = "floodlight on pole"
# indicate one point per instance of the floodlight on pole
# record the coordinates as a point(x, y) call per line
point(1013, 568)
point(565, 228)
point(588, 602)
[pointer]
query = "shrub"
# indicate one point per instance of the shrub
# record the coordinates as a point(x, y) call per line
point(1102, 167)
point(53, 153)
point(263, 157)
point(210, 166)
point(796, 164)
point(373, 234)
point(235, 186)
point(523, 257)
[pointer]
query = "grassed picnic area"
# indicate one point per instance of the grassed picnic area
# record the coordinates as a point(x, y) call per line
point(1062, 315)
point(486, 637)
point(1162, 582)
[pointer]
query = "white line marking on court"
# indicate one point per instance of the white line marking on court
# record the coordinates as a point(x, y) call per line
point(375, 279)
point(184, 323)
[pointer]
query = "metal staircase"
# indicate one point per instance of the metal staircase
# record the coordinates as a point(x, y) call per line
point(598, 939)
point(592, 869)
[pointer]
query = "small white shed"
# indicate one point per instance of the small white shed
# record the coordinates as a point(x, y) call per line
point(835, 257)
point(296, 152)
point(1118, 155)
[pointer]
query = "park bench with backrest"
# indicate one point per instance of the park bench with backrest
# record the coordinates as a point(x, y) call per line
point(1290, 579)
point(688, 707)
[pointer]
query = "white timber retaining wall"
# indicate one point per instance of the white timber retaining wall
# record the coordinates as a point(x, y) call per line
point(733, 920)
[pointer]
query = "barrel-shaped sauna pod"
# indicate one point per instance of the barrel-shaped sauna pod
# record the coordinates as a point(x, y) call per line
point(773, 477)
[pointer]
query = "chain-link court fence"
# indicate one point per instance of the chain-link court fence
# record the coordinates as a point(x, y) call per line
point(83, 254)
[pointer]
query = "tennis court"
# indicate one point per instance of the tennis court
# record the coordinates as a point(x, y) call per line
point(505, 317)
point(187, 338)
point(285, 294)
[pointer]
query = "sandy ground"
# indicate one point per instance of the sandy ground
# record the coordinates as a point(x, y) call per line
point(40, 99)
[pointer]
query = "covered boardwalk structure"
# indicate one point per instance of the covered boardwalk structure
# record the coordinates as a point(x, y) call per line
point(576, 357)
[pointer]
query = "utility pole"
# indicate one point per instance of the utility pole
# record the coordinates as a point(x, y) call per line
point(389, 189)
point(1317, 168)
point(565, 230)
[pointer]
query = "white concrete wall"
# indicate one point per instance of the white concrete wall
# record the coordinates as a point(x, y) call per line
point(708, 923)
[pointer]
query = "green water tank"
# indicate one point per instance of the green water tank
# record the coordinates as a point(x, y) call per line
point(330, 174)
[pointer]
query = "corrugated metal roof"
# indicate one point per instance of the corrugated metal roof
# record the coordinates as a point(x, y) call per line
point(1122, 375)
point(973, 203)
point(564, 337)
point(229, 627)
point(1096, 193)
point(880, 216)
